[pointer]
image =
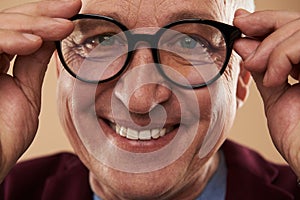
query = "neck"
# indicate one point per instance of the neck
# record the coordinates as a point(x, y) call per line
point(198, 179)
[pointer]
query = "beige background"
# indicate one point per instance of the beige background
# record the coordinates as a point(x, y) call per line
point(249, 129)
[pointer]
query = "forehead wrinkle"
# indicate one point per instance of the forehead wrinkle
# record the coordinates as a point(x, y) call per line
point(201, 9)
point(118, 10)
point(143, 13)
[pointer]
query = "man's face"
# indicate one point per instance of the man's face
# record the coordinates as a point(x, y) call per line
point(179, 130)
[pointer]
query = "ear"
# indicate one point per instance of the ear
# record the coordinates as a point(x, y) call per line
point(243, 85)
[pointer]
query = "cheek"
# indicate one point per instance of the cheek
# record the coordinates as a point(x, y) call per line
point(64, 91)
point(76, 108)
point(65, 87)
point(219, 112)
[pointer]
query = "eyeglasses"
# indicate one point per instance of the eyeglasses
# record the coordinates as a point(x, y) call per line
point(190, 53)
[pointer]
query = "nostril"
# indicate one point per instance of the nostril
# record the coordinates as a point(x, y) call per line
point(157, 116)
point(147, 97)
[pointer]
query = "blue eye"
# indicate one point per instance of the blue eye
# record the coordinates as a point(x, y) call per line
point(188, 42)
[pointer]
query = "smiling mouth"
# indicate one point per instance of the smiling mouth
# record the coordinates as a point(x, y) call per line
point(143, 135)
point(142, 140)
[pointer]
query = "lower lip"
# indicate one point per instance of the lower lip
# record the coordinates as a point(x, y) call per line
point(136, 146)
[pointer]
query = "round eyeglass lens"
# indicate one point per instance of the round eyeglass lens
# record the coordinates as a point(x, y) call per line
point(192, 53)
point(96, 50)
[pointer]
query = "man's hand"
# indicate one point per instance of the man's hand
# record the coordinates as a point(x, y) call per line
point(27, 32)
point(271, 52)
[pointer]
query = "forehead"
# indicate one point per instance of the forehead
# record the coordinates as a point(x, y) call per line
point(145, 13)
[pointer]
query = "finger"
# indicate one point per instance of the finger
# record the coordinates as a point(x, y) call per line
point(45, 27)
point(262, 23)
point(57, 8)
point(29, 71)
point(245, 47)
point(4, 63)
point(295, 73)
point(13, 42)
point(270, 95)
point(260, 58)
point(282, 60)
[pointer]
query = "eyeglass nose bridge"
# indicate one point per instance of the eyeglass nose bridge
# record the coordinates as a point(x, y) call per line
point(153, 40)
point(134, 39)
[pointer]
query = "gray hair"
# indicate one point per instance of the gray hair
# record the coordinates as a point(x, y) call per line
point(232, 5)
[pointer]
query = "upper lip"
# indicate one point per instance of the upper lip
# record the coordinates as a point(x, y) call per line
point(137, 121)
point(139, 124)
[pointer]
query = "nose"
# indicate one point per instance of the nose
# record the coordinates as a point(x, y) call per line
point(142, 88)
point(147, 97)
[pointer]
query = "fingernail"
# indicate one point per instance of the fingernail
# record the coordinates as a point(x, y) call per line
point(241, 13)
point(31, 37)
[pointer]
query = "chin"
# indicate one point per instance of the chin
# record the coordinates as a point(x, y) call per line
point(159, 184)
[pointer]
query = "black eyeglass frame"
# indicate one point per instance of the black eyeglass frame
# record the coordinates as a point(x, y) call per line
point(230, 34)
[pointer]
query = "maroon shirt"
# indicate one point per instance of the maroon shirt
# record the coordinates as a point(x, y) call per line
point(64, 177)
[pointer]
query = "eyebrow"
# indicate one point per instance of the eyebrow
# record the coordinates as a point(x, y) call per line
point(113, 15)
point(189, 15)
point(90, 24)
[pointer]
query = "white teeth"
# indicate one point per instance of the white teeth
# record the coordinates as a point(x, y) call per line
point(145, 135)
point(117, 129)
point(123, 131)
point(132, 134)
point(139, 135)
point(155, 133)
point(162, 132)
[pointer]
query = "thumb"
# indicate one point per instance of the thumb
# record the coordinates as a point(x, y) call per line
point(270, 95)
point(29, 71)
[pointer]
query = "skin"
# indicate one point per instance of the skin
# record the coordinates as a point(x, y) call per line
point(271, 59)
point(189, 171)
point(21, 91)
point(187, 176)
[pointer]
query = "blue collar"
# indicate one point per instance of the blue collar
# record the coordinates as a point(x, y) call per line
point(216, 186)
